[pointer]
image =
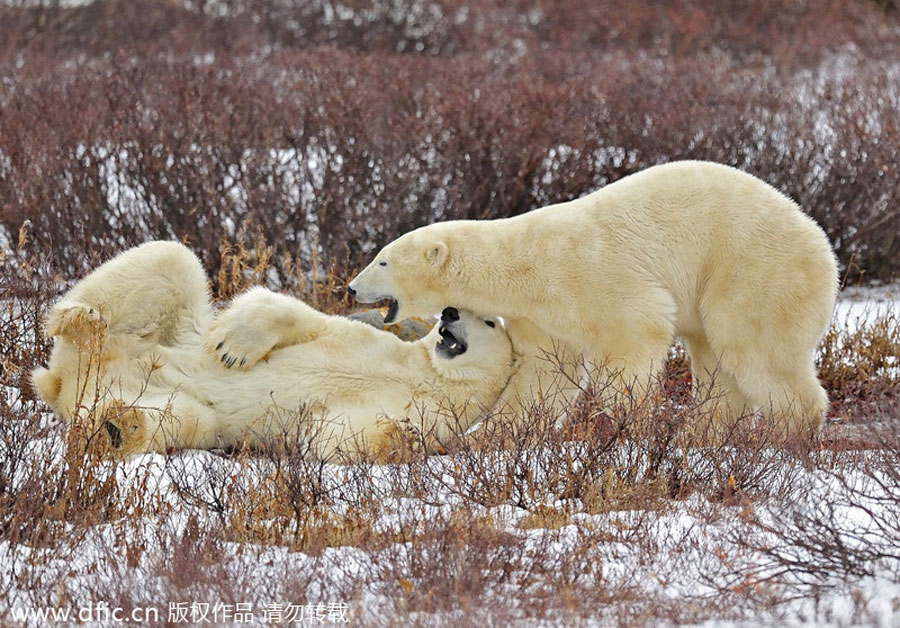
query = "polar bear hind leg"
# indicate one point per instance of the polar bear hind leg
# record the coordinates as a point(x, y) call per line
point(153, 291)
point(772, 365)
point(791, 396)
point(154, 422)
point(712, 382)
point(79, 322)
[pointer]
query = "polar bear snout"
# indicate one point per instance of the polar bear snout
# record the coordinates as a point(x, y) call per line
point(367, 288)
point(357, 290)
point(452, 333)
point(450, 315)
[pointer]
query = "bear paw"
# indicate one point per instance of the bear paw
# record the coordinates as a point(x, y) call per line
point(237, 342)
point(123, 429)
point(81, 323)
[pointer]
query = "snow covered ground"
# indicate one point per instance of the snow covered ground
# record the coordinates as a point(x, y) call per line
point(694, 552)
point(819, 550)
point(861, 303)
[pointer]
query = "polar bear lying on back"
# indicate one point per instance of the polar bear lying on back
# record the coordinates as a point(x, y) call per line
point(691, 249)
point(139, 356)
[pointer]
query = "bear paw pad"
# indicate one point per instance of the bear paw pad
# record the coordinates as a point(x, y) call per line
point(123, 428)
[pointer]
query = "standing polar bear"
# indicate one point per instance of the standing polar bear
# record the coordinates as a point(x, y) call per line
point(140, 361)
point(691, 249)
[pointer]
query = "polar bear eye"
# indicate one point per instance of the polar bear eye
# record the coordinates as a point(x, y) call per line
point(489, 323)
point(382, 263)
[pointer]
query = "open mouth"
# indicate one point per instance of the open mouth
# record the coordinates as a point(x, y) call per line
point(449, 345)
point(393, 306)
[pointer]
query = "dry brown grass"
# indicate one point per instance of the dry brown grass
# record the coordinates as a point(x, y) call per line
point(520, 510)
point(284, 146)
point(858, 366)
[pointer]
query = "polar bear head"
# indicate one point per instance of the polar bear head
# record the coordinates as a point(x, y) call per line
point(411, 273)
point(464, 345)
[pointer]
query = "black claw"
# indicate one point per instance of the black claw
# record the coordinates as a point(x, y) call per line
point(219, 346)
point(224, 358)
point(243, 362)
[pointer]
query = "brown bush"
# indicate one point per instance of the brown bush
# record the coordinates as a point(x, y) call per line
point(285, 142)
point(521, 521)
point(793, 33)
point(123, 122)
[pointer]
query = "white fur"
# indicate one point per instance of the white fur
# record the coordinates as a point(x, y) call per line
point(137, 346)
point(691, 249)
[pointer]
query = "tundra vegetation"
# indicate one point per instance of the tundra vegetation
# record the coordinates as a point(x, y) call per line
point(285, 142)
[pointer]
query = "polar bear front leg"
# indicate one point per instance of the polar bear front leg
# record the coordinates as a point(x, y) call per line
point(629, 370)
point(546, 373)
point(258, 322)
point(540, 383)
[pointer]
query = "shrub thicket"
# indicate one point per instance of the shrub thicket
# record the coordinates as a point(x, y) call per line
point(284, 141)
point(335, 128)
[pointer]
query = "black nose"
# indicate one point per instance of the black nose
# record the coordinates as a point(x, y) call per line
point(450, 314)
point(351, 291)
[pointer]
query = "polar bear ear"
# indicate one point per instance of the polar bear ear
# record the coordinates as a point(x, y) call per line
point(437, 253)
